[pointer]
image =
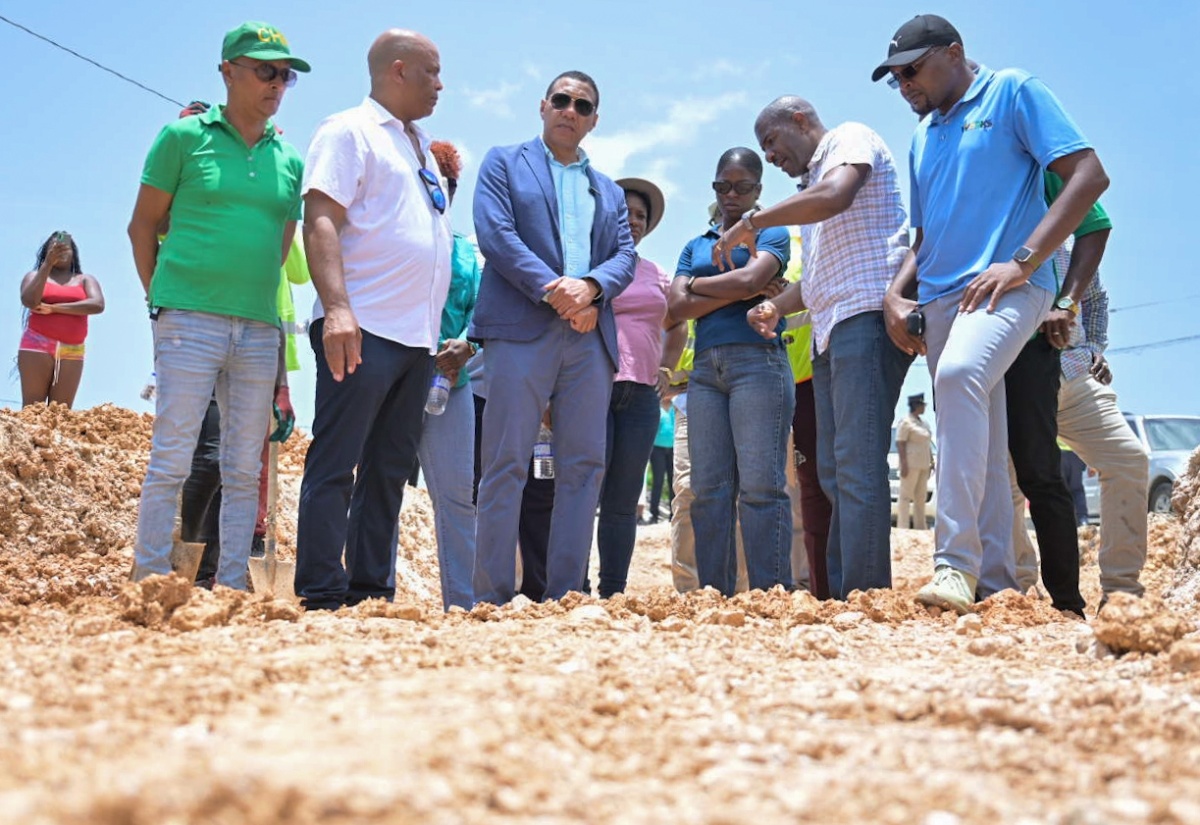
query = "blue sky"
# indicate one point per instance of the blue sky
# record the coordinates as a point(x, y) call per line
point(680, 82)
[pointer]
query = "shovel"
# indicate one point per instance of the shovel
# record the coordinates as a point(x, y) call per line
point(268, 575)
point(185, 555)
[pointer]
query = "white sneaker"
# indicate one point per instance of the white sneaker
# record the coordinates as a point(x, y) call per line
point(950, 590)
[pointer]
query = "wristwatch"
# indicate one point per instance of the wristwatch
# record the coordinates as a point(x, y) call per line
point(1068, 303)
point(689, 283)
point(1024, 255)
point(750, 214)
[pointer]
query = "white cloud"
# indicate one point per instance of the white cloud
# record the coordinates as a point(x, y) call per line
point(721, 67)
point(495, 101)
point(612, 152)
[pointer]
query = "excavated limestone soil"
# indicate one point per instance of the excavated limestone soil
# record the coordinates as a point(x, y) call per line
point(127, 704)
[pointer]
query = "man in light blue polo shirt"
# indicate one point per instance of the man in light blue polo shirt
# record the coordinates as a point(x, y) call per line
point(980, 273)
point(555, 237)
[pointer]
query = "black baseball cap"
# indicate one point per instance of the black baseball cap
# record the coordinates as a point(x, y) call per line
point(914, 38)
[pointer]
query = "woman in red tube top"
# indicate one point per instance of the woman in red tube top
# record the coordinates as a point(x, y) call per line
point(59, 298)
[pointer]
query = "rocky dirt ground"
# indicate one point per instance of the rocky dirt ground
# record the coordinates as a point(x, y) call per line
point(153, 703)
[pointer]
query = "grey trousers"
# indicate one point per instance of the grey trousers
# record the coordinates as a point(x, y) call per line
point(575, 375)
point(968, 355)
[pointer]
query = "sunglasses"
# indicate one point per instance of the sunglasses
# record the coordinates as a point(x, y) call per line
point(583, 107)
point(742, 187)
point(897, 77)
point(267, 73)
point(434, 188)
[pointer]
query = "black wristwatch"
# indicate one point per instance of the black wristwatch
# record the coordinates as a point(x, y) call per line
point(1024, 255)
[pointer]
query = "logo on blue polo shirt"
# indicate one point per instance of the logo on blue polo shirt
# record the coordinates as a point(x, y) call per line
point(971, 125)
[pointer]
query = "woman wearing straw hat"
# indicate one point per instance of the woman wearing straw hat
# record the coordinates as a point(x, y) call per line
point(633, 411)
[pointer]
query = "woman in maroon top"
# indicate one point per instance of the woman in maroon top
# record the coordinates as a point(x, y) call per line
point(58, 298)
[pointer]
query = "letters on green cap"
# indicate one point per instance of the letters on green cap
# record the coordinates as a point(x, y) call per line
point(261, 42)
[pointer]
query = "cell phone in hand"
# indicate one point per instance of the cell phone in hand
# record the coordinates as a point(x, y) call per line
point(915, 323)
point(62, 237)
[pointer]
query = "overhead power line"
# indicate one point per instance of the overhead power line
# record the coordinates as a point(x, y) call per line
point(1154, 303)
point(89, 60)
point(1140, 348)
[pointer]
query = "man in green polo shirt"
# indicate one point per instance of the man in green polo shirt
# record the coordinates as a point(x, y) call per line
point(231, 189)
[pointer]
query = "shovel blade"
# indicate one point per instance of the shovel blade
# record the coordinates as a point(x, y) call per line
point(185, 558)
point(273, 578)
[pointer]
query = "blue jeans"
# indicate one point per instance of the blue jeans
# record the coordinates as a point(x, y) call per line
point(856, 382)
point(364, 447)
point(447, 453)
point(740, 403)
point(193, 353)
point(632, 425)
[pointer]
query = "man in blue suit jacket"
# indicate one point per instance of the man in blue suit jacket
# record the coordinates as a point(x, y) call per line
point(555, 236)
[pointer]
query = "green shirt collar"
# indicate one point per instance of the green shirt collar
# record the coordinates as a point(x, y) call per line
point(216, 116)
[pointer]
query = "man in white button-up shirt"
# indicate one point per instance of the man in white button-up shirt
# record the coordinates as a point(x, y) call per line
point(378, 243)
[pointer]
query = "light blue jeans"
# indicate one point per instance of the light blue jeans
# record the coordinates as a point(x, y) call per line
point(193, 352)
point(447, 455)
point(740, 403)
point(968, 355)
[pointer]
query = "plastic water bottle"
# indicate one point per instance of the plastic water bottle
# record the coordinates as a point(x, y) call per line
point(543, 454)
point(439, 394)
point(150, 391)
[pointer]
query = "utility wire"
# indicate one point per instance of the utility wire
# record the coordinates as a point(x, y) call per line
point(1140, 348)
point(89, 60)
point(1153, 304)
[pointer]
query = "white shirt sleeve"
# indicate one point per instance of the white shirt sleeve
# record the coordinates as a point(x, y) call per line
point(336, 161)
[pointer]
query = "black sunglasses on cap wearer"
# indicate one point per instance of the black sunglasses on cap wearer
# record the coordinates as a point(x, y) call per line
point(267, 73)
point(742, 187)
point(434, 188)
point(910, 71)
point(583, 107)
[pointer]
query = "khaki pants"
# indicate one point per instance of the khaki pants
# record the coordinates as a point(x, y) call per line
point(683, 540)
point(1091, 424)
point(914, 488)
point(799, 553)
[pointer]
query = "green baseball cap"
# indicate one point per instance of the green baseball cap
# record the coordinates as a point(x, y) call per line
point(261, 42)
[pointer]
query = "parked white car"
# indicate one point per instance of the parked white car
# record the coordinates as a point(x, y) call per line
point(1170, 440)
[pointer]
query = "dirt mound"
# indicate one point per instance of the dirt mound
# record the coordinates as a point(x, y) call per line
point(1184, 588)
point(70, 482)
point(1132, 625)
point(69, 487)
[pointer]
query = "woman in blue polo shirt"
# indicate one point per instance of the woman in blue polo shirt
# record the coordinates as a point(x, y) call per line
point(740, 394)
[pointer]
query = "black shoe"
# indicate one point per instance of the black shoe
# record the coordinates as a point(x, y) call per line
point(257, 547)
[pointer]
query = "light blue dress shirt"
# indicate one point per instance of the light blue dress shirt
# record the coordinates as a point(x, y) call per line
point(576, 211)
